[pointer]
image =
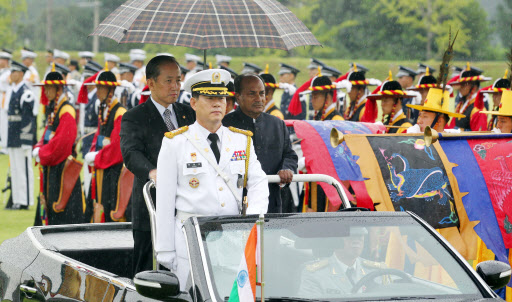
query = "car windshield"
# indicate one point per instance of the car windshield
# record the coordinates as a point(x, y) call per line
point(354, 257)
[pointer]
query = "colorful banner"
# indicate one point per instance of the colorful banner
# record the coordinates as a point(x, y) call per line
point(415, 179)
point(337, 162)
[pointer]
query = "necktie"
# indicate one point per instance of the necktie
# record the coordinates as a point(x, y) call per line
point(167, 120)
point(213, 137)
point(350, 275)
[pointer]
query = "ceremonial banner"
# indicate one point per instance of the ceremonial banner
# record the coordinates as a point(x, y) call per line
point(322, 158)
point(402, 174)
point(415, 178)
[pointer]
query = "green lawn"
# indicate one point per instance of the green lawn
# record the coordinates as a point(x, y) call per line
point(13, 223)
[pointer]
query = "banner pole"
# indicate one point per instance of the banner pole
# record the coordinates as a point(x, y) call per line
point(261, 222)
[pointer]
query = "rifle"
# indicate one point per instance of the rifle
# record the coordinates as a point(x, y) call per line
point(7, 186)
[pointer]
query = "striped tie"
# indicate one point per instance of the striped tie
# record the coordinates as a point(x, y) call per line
point(167, 120)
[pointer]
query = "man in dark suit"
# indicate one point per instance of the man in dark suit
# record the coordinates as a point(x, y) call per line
point(142, 131)
point(271, 137)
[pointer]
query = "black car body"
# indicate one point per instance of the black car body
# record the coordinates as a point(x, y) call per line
point(92, 262)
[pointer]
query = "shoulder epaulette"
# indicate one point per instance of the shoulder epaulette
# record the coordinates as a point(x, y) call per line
point(244, 132)
point(317, 265)
point(373, 264)
point(173, 133)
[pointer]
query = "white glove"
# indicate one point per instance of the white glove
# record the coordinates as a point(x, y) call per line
point(35, 154)
point(74, 82)
point(89, 158)
point(301, 164)
point(417, 97)
point(379, 123)
point(449, 88)
point(97, 106)
point(128, 85)
point(414, 129)
point(344, 84)
point(167, 259)
point(303, 96)
point(452, 130)
point(289, 88)
point(496, 130)
point(374, 82)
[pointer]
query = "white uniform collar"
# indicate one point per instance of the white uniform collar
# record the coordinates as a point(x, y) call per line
point(205, 132)
point(397, 114)
point(91, 94)
point(269, 104)
point(17, 87)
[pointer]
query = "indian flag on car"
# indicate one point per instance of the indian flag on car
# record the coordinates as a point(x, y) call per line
point(249, 271)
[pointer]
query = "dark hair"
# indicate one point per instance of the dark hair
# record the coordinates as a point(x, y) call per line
point(153, 67)
point(75, 63)
point(239, 79)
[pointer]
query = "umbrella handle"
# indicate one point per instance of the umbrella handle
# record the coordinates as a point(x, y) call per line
point(204, 59)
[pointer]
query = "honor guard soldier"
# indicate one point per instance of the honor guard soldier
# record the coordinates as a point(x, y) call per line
point(405, 77)
point(425, 82)
point(112, 63)
point(503, 114)
point(313, 67)
point(223, 61)
point(202, 170)
point(391, 96)
point(434, 112)
point(496, 91)
point(231, 72)
point(89, 106)
point(191, 64)
point(468, 85)
point(321, 90)
point(184, 97)
point(21, 136)
point(251, 68)
point(357, 67)
point(48, 58)
point(69, 89)
point(126, 94)
point(61, 195)
point(60, 57)
point(422, 70)
point(5, 72)
point(105, 155)
point(287, 75)
point(31, 76)
point(357, 92)
point(85, 57)
point(337, 274)
point(230, 99)
point(270, 88)
point(137, 58)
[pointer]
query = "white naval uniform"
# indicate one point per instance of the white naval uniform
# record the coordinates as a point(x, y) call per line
point(139, 78)
point(4, 105)
point(176, 171)
point(31, 77)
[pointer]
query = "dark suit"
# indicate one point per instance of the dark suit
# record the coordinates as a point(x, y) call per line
point(142, 131)
point(272, 144)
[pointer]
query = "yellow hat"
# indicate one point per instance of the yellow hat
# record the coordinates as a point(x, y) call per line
point(436, 101)
point(505, 108)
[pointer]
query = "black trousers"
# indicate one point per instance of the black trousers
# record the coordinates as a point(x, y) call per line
point(142, 251)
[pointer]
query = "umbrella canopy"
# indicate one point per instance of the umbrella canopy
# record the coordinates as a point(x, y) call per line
point(206, 24)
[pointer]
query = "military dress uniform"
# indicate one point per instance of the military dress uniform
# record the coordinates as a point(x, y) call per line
point(288, 91)
point(188, 183)
point(139, 77)
point(21, 136)
point(4, 86)
point(105, 155)
point(53, 152)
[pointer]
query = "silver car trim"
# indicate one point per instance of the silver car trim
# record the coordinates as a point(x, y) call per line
point(213, 297)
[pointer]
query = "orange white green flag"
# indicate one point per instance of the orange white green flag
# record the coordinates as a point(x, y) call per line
point(249, 271)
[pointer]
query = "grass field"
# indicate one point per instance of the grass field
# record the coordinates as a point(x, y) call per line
point(12, 223)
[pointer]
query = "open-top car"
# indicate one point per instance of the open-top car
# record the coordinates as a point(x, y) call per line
point(342, 256)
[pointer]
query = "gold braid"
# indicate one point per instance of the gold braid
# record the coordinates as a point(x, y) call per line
point(247, 159)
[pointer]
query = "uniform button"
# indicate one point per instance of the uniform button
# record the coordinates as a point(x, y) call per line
point(259, 147)
point(221, 188)
point(222, 204)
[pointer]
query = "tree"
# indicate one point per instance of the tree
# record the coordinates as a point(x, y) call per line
point(11, 11)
